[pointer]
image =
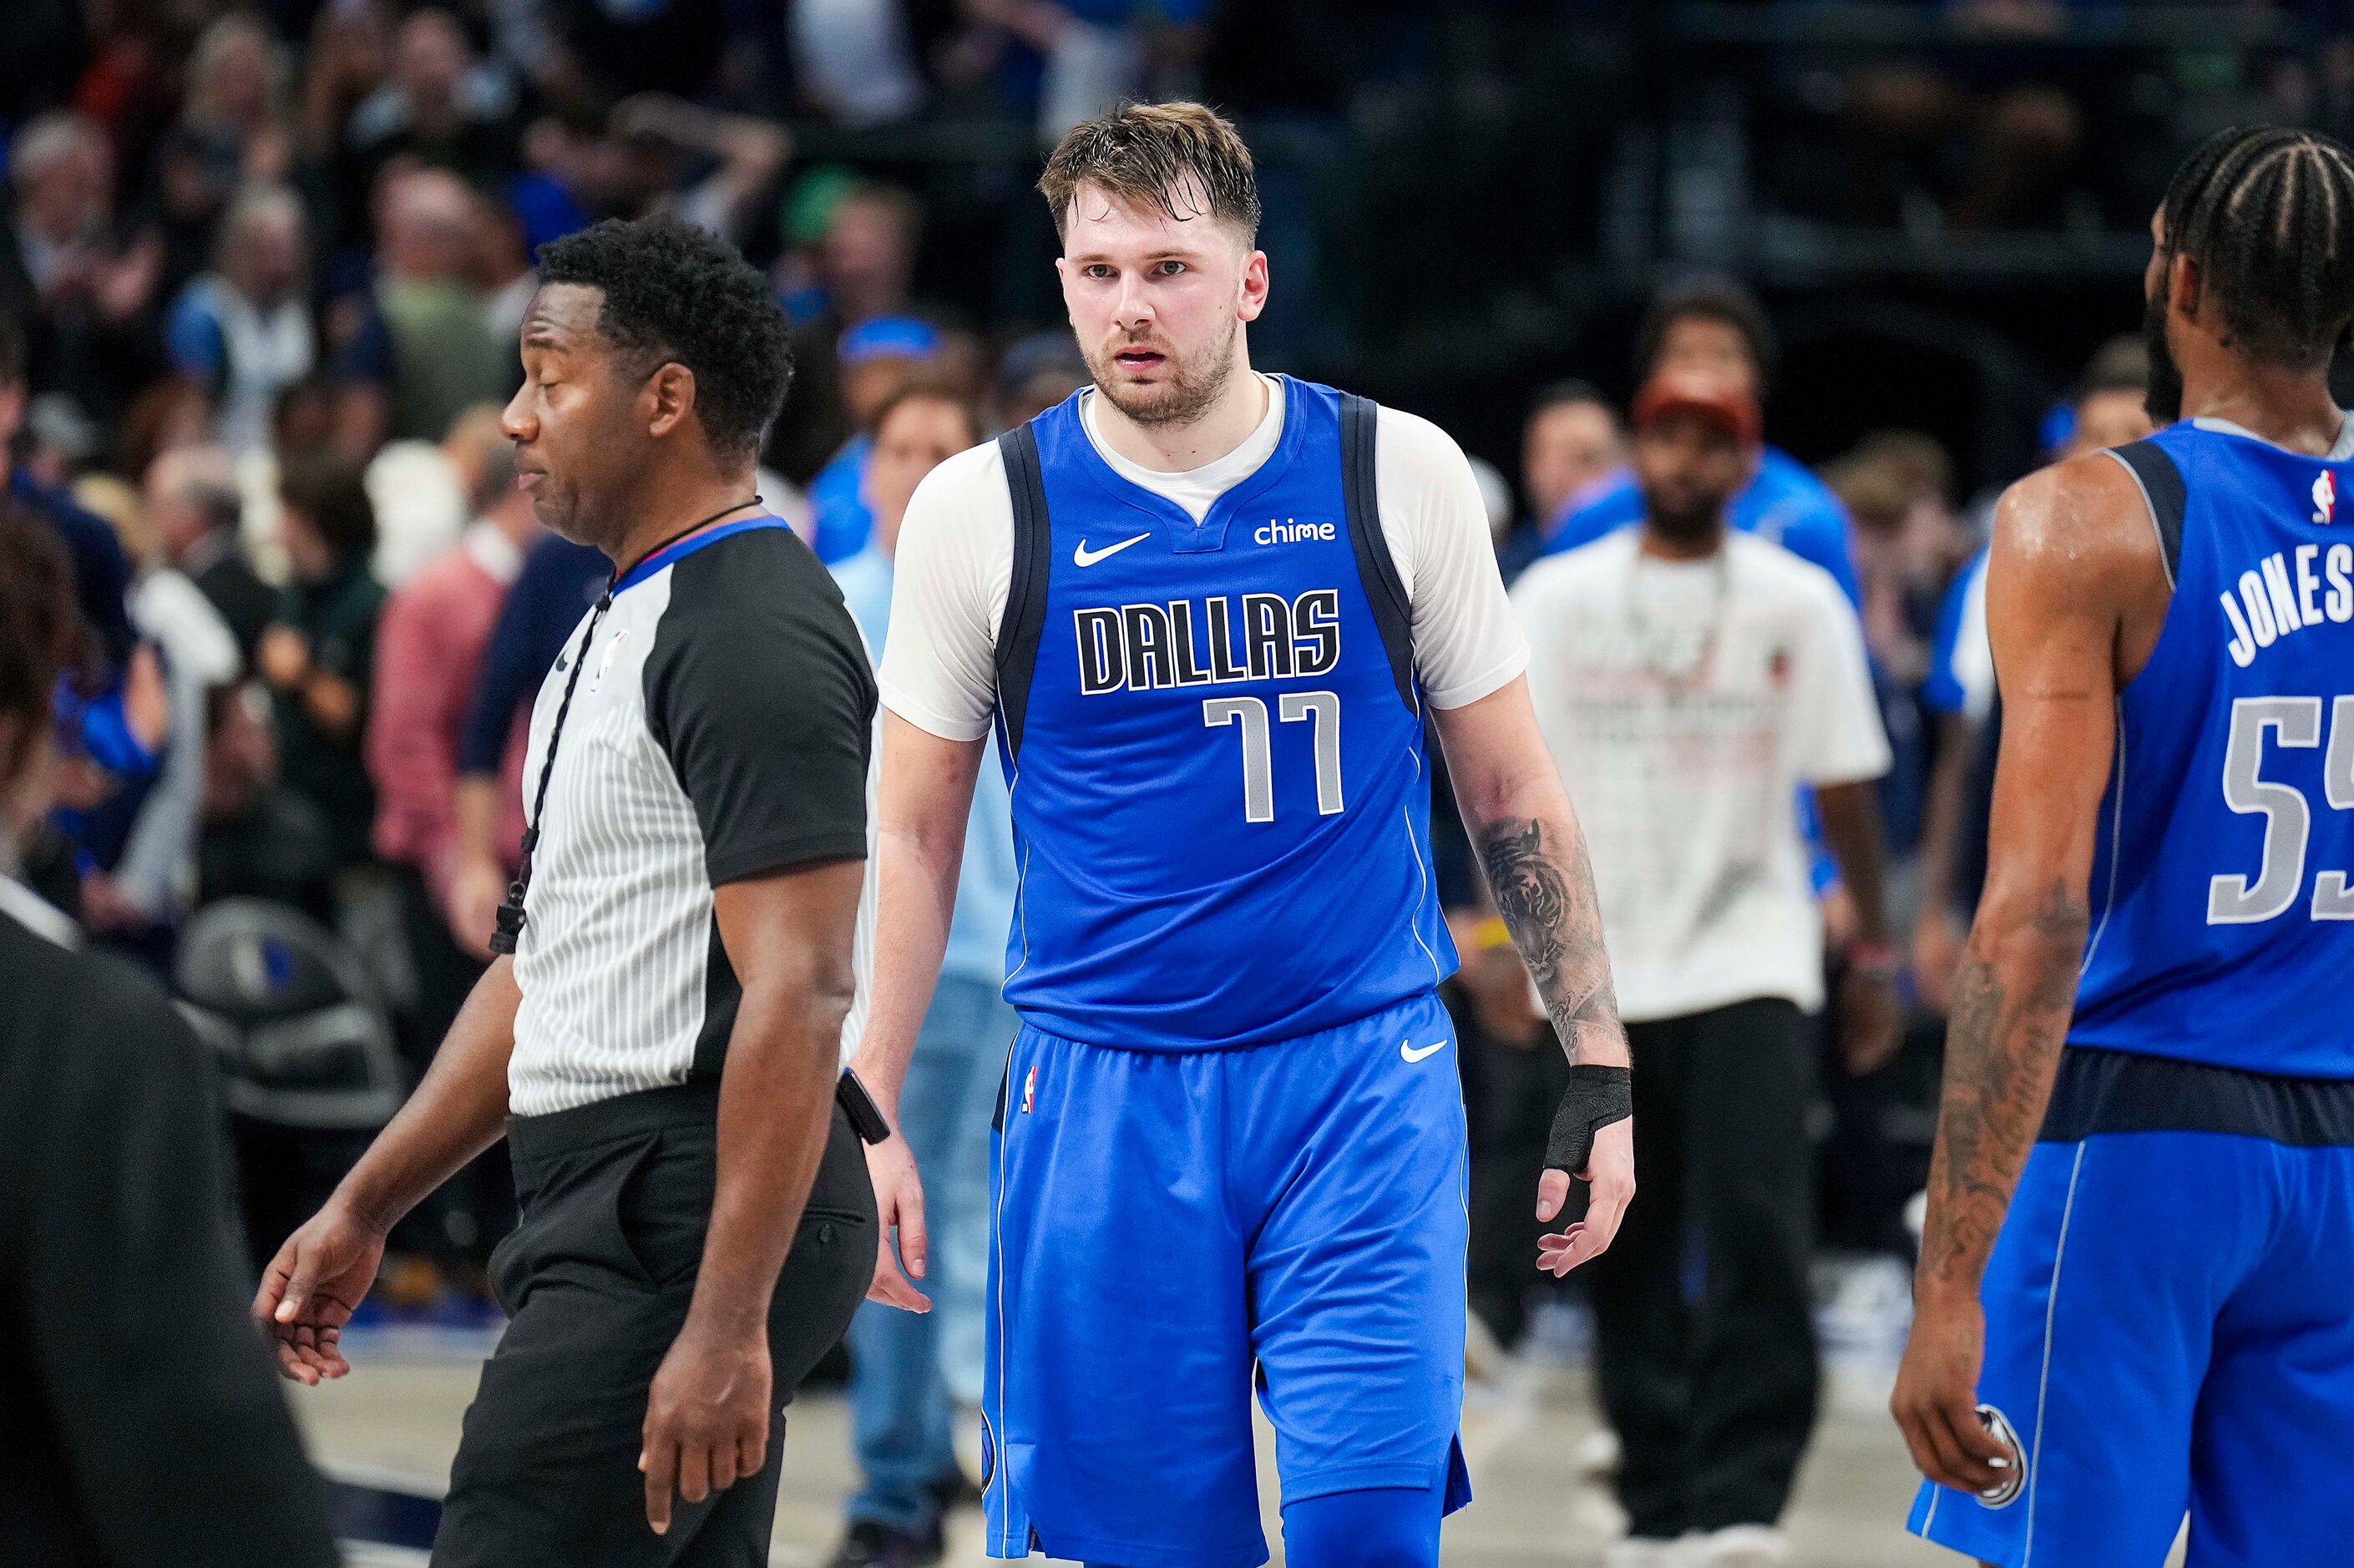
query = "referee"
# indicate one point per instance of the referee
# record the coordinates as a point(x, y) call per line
point(660, 1049)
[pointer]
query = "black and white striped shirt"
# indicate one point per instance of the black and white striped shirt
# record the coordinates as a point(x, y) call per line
point(719, 731)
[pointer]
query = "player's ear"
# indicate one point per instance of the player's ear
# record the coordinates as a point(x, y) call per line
point(668, 397)
point(2182, 284)
point(1254, 286)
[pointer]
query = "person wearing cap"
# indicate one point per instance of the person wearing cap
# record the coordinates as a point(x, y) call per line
point(1687, 678)
point(1713, 325)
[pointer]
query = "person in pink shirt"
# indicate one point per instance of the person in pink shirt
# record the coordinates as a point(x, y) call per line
point(428, 645)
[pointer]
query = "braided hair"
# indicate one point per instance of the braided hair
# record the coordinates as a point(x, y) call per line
point(2267, 212)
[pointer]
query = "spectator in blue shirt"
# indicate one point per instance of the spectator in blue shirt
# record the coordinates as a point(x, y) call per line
point(909, 1370)
point(1713, 325)
point(878, 357)
point(243, 331)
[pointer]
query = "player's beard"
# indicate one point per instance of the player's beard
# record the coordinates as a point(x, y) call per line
point(2164, 399)
point(1191, 387)
point(1688, 527)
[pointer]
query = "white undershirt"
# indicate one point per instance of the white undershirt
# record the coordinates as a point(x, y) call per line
point(956, 557)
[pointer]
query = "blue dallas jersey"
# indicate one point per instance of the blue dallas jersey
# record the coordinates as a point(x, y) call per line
point(1215, 743)
point(2220, 890)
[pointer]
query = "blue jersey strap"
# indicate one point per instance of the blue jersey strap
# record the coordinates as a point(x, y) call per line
point(2162, 489)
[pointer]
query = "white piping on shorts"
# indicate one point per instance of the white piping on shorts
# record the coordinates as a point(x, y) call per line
point(2044, 1381)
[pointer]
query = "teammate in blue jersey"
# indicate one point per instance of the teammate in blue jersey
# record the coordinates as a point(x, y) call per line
point(1207, 613)
point(2136, 1294)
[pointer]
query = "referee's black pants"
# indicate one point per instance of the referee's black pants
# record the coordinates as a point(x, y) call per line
point(1705, 1347)
point(615, 1198)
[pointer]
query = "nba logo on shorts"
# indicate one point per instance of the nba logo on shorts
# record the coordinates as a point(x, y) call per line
point(2325, 497)
point(1029, 1088)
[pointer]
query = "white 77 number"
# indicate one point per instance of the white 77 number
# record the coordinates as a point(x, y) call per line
point(1258, 768)
point(2234, 900)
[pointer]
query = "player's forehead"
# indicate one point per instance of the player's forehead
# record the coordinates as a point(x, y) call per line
point(1103, 224)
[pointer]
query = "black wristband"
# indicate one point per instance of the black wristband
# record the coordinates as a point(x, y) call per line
point(865, 1117)
point(1595, 1097)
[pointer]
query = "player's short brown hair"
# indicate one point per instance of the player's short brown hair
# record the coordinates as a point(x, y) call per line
point(1148, 155)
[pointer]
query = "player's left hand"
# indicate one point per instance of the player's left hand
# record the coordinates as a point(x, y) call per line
point(899, 1214)
point(1937, 1400)
point(706, 1418)
point(1610, 1168)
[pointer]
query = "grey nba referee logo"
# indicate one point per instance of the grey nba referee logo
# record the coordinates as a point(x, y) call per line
point(2005, 1492)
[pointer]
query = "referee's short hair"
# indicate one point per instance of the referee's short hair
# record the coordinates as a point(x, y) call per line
point(673, 292)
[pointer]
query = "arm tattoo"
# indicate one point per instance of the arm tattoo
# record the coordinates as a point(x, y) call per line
point(2010, 1018)
point(1545, 894)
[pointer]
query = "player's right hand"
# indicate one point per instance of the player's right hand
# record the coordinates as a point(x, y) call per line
point(898, 1207)
point(1935, 1399)
point(1610, 1168)
point(310, 1289)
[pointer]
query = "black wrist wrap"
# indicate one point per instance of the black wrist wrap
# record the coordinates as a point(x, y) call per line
point(1596, 1096)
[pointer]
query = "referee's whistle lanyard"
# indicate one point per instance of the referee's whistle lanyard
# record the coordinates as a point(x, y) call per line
point(511, 915)
point(865, 1118)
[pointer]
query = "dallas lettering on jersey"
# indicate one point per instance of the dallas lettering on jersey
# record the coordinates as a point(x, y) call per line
point(1207, 643)
point(2282, 594)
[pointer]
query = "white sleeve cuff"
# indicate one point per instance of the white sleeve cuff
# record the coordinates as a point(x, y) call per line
point(1488, 683)
point(930, 720)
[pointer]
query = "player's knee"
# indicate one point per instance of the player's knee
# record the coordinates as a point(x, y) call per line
point(1382, 1527)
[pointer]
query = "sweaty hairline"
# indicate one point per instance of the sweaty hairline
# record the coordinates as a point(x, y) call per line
point(1184, 200)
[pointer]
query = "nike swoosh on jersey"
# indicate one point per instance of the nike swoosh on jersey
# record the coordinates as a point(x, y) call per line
point(1083, 556)
point(1406, 1049)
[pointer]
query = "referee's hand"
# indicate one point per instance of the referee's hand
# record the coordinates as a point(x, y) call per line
point(310, 1289)
point(898, 1207)
point(706, 1416)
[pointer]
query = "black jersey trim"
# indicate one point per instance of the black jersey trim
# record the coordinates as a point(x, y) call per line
point(1025, 590)
point(1360, 419)
point(2099, 1091)
point(2162, 491)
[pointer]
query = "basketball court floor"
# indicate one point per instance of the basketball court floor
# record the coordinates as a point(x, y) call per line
point(392, 1426)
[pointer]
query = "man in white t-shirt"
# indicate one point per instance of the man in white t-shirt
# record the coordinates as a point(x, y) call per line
point(1231, 1146)
point(1688, 679)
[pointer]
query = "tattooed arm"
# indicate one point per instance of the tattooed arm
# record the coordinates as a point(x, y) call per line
point(1521, 823)
point(1527, 837)
point(2074, 593)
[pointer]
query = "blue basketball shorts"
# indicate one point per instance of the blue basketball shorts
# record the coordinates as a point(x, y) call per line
point(1170, 1229)
point(2169, 1327)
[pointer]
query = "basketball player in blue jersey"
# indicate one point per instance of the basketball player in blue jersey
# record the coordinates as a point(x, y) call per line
point(2136, 1294)
point(1207, 613)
